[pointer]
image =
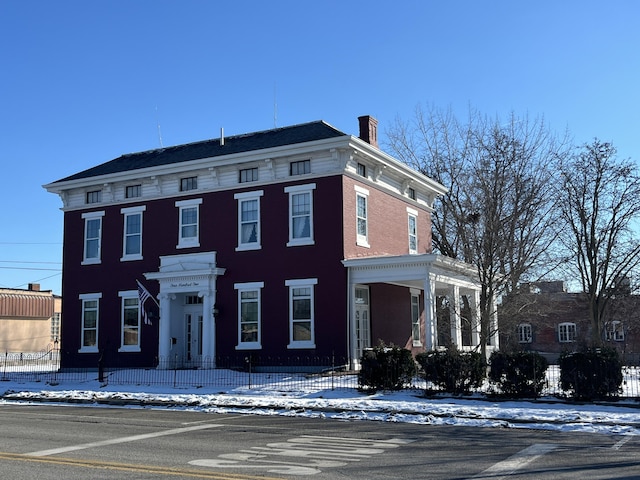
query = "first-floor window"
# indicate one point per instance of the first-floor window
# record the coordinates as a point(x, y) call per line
point(55, 327)
point(90, 319)
point(614, 331)
point(415, 319)
point(524, 333)
point(567, 332)
point(301, 313)
point(249, 317)
point(130, 321)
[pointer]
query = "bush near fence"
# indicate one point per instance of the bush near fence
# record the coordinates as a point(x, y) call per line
point(453, 371)
point(518, 374)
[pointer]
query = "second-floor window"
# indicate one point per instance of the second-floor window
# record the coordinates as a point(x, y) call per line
point(189, 228)
point(566, 332)
point(362, 216)
point(249, 220)
point(300, 214)
point(92, 237)
point(132, 237)
point(413, 230)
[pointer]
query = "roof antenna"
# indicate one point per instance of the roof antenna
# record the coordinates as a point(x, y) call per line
point(275, 107)
point(159, 132)
point(221, 136)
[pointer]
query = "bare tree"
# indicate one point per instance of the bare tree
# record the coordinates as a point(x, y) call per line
point(498, 212)
point(600, 206)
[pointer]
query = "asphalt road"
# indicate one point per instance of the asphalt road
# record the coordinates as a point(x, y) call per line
point(66, 442)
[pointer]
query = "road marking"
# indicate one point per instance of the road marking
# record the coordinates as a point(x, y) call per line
point(516, 462)
point(127, 467)
point(621, 443)
point(114, 441)
point(307, 454)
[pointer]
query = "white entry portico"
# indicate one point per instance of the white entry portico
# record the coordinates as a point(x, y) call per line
point(187, 314)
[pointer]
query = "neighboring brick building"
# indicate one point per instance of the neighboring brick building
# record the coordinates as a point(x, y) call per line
point(299, 241)
point(29, 320)
point(547, 319)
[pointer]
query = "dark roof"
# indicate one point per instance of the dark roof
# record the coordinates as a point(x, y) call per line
point(306, 132)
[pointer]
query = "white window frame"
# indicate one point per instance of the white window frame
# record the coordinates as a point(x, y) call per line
point(413, 233)
point(567, 332)
point(362, 239)
point(245, 288)
point(85, 298)
point(242, 198)
point(416, 331)
point(293, 286)
point(614, 331)
point(91, 217)
point(182, 205)
point(525, 333)
point(294, 190)
point(129, 212)
point(129, 295)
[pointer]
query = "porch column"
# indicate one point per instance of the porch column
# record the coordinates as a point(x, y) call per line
point(430, 317)
point(474, 300)
point(454, 315)
point(164, 341)
point(495, 342)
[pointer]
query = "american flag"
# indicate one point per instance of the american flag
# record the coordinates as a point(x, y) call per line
point(144, 295)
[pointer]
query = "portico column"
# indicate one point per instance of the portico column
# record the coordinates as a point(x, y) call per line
point(454, 315)
point(474, 300)
point(164, 341)
point(430, 317)
point(208, 327)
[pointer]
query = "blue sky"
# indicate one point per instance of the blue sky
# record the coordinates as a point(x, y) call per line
point(82, 82)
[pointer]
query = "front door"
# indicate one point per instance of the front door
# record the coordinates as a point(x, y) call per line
point(363, 323)
point(193, 334)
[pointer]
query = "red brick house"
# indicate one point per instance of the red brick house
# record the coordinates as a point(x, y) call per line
point(300, 241)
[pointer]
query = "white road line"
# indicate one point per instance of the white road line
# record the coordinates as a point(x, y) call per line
point(115, 441)
point(516, 462)
point(621, 443)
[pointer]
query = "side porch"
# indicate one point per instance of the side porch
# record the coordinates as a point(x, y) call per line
point(420, 302)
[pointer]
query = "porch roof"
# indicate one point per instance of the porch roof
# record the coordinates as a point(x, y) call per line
point(413, 271)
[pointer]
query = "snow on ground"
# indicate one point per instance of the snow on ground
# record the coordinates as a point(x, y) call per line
point(408, 406)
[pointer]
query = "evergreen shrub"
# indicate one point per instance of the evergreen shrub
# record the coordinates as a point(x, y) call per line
point(453, 371)
point(592, 374)
point(518, 374)
point(386, 368)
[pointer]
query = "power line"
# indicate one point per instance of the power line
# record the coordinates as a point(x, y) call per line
point(31, 268)
point(32, 262)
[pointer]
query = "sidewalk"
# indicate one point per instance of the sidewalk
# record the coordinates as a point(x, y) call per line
point(341, 403)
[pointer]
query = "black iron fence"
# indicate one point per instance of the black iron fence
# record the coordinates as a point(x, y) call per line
point(251, 372)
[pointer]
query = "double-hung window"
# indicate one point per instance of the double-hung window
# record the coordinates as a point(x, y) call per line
point(92, 237)
point(415, 318)
point(132, 236)
point(300, 214)
point(90, 322)
point(566, 332)
point(301, 167)
point(301, 313)
point(614, 331)
point(362, 220)
point(189, 228)
point(412, 218)
point(188, 183)
point(249, 220)
point(525, 333)
point(129, 321)
point(249, 316)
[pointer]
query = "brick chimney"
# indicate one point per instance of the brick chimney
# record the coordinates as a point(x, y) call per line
point(34, 287)
point(369, 130)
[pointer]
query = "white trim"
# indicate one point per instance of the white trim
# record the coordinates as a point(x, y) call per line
point(412, 211)
point(188, 242)
point(126, 212)
point(300, 190)
point(249, 197)
point(87, 217)
point(361, 190)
